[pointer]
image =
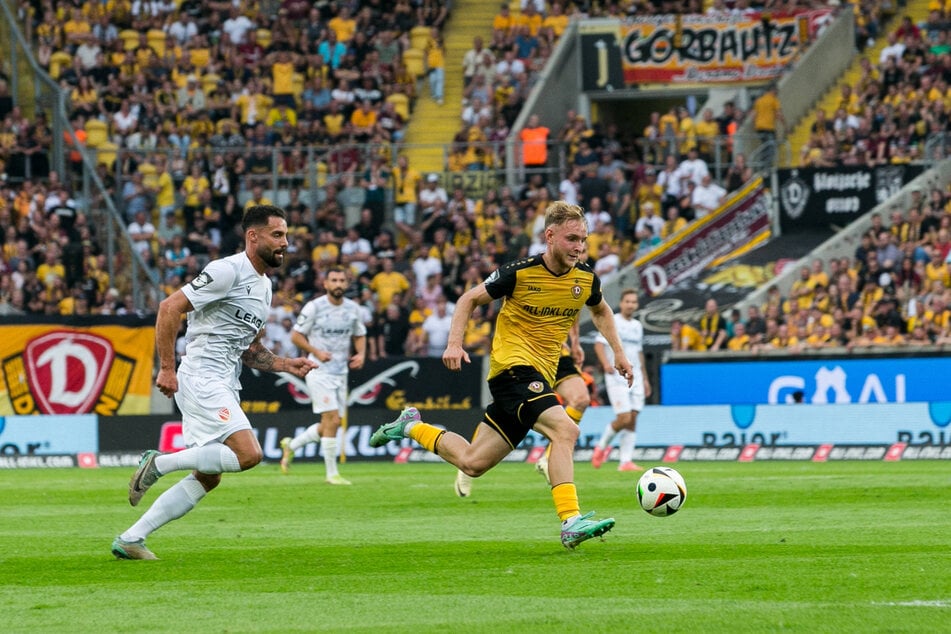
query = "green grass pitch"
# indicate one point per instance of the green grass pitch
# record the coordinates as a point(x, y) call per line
point(759, 547)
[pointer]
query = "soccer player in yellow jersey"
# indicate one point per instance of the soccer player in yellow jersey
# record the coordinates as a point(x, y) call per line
point(543, 296)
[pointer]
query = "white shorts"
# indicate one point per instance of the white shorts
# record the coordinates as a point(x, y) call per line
point(210, 410)
point(405, 213)
point(623, 398)
point(328, 392)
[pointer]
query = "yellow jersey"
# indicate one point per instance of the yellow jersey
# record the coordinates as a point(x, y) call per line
point(537, 312)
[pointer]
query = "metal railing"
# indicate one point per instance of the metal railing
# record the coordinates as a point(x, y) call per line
point(318, 166)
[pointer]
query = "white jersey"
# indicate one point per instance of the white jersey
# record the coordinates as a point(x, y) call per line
point(631, 334)
point(330, 328)
point(231, 302)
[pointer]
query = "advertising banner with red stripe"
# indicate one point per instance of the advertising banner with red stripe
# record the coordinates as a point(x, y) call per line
point(713, 49)
point(743, 221)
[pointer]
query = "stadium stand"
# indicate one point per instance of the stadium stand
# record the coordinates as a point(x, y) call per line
point(194, 117)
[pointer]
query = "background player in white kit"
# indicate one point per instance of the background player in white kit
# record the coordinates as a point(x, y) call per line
point(324, 329)
point(626, 401)
point(227, 306)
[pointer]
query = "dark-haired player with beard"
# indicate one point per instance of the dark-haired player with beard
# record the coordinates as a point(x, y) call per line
point(326, 329)
point(227, 306)
point(543, 296)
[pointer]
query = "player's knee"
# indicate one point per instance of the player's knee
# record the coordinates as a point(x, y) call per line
point(625, 421)
point(475, 468)
point(578, 401)
point(208, 481)
point(250, 459)
point(566, 434)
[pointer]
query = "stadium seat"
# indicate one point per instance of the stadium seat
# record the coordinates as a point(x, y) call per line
point(413, 60)
point(264, 37)
point(130, 39)
point(400, 103)
point(97, 133)
point(419, 37)
point(156, 39)
point(58, 61)
point(106, 154)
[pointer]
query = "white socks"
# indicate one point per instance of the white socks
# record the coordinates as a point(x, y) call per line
point(627, 447)
point(212, 458)
point(329, 445)
point(307, 436)
point(171, 505)
point(606, 437)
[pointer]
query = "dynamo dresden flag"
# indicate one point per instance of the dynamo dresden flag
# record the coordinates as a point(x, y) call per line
point(57, 369)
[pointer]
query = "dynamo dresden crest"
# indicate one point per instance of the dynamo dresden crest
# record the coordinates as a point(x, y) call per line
point(794, 194)
point(67, 372)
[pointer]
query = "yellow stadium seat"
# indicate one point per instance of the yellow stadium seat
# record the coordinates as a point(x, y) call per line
point(59, 61)
point(413, 60)
point(106, 154)
point(130, 39)
point(97, 133)
point(264, 37)
point(419, 37)
point(156, 39)
point(400, 103)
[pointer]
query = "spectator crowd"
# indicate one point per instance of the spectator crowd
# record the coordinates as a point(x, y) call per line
point(193, 107)
point(894, 291)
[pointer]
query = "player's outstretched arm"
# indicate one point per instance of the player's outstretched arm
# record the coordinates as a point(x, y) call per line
point(603, 318)
point(455, 354)
point(257, 356)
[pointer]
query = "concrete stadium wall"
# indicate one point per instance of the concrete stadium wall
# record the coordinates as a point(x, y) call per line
point(555, 92)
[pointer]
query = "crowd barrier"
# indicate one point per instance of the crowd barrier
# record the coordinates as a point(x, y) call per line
point(838, 379)
point(666, 434)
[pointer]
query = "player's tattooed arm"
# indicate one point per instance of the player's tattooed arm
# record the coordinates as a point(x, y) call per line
point(257, 356)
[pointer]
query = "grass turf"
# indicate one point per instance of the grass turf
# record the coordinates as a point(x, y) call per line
point(835, 547)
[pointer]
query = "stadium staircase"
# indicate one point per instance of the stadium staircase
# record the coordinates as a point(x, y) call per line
point(432, 126)
point(918, 10)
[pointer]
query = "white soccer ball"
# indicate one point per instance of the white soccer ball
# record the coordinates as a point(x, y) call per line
point(661, 491)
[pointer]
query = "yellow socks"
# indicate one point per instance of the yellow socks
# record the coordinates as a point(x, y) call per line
point(566, 500)
point(574, 414)
point(426, 435)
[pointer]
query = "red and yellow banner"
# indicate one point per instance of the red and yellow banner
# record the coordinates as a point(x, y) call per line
point(57, 369)
point(740, 224)
point(705, 49)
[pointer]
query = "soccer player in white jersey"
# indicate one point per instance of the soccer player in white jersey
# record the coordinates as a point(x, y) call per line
point(324, 330)
point(626, 400)
point(227, 306)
